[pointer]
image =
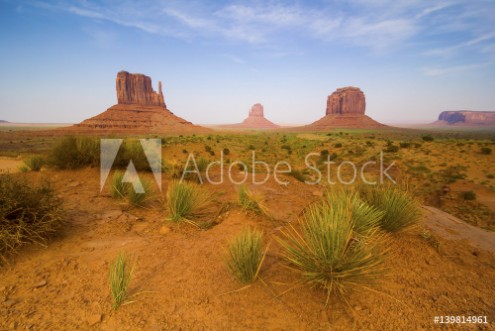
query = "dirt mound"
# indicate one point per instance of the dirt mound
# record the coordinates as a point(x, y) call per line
point(351, 121)
point(132, 118)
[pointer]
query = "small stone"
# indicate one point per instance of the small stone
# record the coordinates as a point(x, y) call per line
point(41, 283)
point(94, 319)
point(164, 230)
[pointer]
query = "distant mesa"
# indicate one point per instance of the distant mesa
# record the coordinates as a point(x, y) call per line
point(255, 120)
point(345, 109)
point(2, 121)
point(466, 118)
point(139, 110)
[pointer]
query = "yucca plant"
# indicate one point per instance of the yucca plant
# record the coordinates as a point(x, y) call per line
point(326, 250)
point(120, 278)
point(400, 209)
point(251, 201)
point(187, 201)
point(35, 163)
point(245, 255)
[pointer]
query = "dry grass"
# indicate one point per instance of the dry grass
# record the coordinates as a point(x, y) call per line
point(245, 255)
point(188, 202)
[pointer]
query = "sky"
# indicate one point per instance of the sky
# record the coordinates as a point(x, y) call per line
point(412, 59)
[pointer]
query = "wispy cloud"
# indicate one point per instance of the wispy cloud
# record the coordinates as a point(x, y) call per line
point(448, 70)
point(379, 25)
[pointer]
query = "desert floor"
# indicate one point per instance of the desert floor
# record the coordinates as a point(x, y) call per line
point(181, 281)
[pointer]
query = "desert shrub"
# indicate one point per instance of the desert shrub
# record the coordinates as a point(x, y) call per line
point(327, 251)
point(486, 150)
point(187, 202)
point(202, 164)
point(251, 201)
point(35, 163)
point(427, 138)
point(139, 199)
point(251, 147)
point(338, 145)
point(120, 278)
point(468, 195)
point(28, 214)
point(452, 174)
point(405, 145)
point(23, 168)
point(226, 151)
point(400, 209)
point(75, 152)
point(245, 255)
point(119, 189)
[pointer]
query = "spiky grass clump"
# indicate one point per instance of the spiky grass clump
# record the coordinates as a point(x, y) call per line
point(28, 214)
point(245, 255)
point(119, 189)
point(400, 209)
point(120, 278)
point(187, 201)
point(35, 163)
point(365, 218)
point(251, 201)
point(328, 252)
point(139, 199)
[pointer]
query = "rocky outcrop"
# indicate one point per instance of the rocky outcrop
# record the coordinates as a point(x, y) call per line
point(466, 118)
point(137, 89)
point(346, 100)
point(139, 110)
point(255, 120)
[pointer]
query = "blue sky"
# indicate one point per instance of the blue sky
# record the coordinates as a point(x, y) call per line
point(412, 59)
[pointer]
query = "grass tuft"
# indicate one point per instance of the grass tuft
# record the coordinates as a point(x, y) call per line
point(245, 255)
point(251, 201)
point(187, 201)
point(120, 278)
point(119, 189)
point(35, 163)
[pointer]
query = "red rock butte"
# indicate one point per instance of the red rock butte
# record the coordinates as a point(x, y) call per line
point(345, 109)
point(139, 110)
point(255, 120)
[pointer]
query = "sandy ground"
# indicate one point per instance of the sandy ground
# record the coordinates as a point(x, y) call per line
point(9, 165)
point(181, 281)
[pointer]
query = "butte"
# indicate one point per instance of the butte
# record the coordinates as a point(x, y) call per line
point(255, 120)
point(345, 109)
point(139, 109)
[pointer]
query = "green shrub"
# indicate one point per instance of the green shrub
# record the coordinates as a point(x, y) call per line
point(250, 201)
point(486, 150)
point(245, 255)
point(120, 278)
point(405, 145)
point(35, 163)
point(28, 214)
point(400, 209)
point(427, 138)
point(187, 202)
point(468, 195)
point(338, 145)
point(226, 151)
point(75, 152)
point(325, 249)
